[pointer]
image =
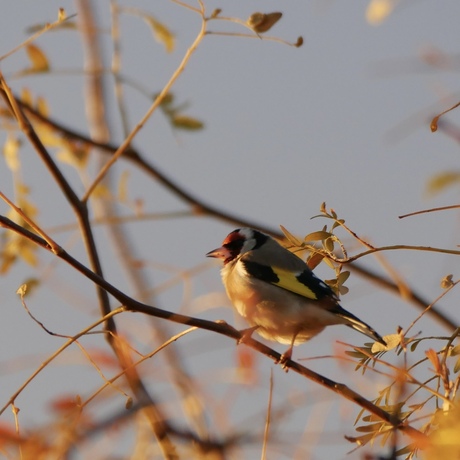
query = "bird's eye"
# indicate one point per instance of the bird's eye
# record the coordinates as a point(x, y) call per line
point(234, 246)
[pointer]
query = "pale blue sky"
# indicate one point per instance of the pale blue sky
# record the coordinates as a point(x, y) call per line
point(286, 129)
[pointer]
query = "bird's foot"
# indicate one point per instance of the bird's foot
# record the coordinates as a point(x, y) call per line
point(246, 334)
point(284, 358)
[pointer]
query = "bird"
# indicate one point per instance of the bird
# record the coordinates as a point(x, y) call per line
point(278, 295)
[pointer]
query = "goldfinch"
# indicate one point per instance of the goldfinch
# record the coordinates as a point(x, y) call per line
point(276, 292)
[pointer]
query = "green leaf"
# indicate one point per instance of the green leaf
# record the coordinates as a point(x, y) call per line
point(317, 236)
point(338, 223)
point(261, 22)
point(371, 428)
point(329, 244)
point(160, 32)
point(355, 354)
point(343, 277)
point(186, 122)
point(167, 100)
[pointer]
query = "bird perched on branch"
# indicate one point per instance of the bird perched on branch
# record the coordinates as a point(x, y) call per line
point(277, 293)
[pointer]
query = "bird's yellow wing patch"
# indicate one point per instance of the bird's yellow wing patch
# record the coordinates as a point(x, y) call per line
point(291, 282)
point(303, 283)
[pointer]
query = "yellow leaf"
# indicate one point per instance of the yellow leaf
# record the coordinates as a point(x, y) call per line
point(160, 32)
point(290, 237)
point(317, 236)
point(439, 182)
point(22, 189)
point(42, 106)
point(17, 247)
point(62, 14)
point(392, 341)
point(167, 99)
point(73, 154)
point(434, 359)
point(101, 191)
point(31, 284)
point(27, 207)
point(378, 10)
point(447, 282)
point(328, 244)
point(343, 277)
point(22, 290)
point(48, 137)
point(186, 122)
point(10, 151)
point(123, 187)
point(314, 260)
point(444, 441)
point(6, 261)
point(27, 253)
point(216, 13)
point(26, 96)
point(261, 22)
point(37, 58)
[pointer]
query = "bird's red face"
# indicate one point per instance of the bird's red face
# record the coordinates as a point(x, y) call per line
point(231, 247)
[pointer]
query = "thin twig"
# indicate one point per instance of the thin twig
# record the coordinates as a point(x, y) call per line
point(54, 246)
point(425, 211)
point(434, 121)
point(187, 6)
point(399, 247)
point(430, 306)
point(137, 363)
point(410, 295)
point(158, 100)
point(45, 29)
point(56, 354)
point(148, 216)
point(267, 418)
point(296, 44)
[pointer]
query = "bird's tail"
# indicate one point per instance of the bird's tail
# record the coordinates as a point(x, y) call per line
point(360, 326)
